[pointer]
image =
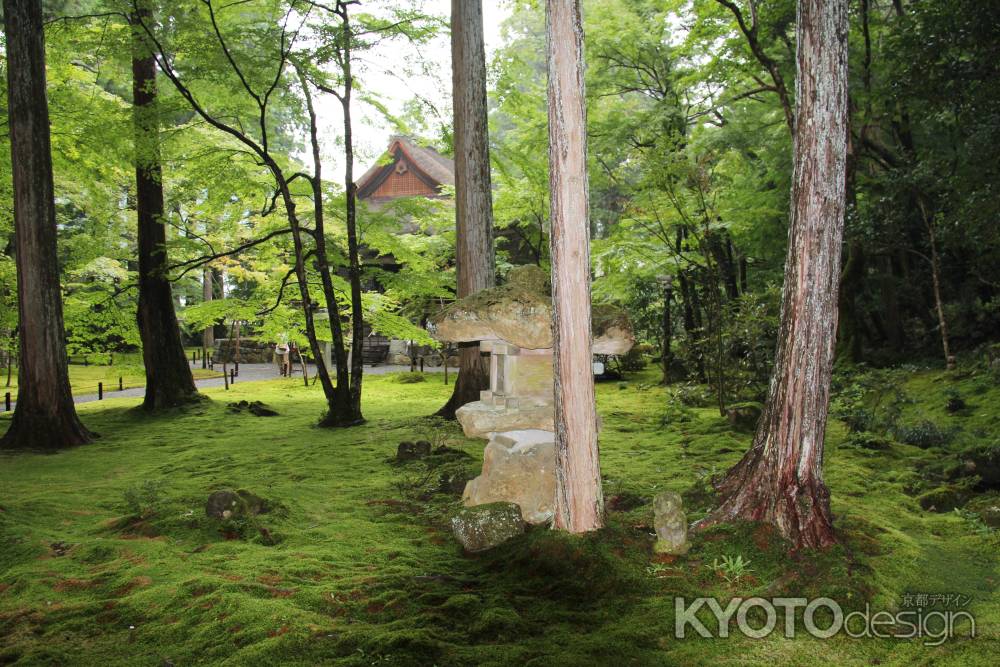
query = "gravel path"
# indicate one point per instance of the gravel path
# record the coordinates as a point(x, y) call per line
point(248, 373)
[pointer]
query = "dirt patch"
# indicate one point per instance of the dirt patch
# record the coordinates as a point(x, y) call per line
point(73, 585)
point(138, 582)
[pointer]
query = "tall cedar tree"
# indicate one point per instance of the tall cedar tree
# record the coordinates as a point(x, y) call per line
point(473, 193)
point(579, 499)
point(168, 377)
point(45, 417)
point(780, 479)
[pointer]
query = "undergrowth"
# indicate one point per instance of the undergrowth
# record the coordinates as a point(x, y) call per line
point(108, 558)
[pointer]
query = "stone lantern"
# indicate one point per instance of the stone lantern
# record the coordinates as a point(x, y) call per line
point(513, 323)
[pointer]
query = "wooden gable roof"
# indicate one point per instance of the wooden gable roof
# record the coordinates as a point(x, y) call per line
point(411, 170)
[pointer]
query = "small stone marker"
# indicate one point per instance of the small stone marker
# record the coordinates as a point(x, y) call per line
point(485, 526)
point(671, 524)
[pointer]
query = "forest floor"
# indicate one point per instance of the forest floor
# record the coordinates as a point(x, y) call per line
point(107, 557)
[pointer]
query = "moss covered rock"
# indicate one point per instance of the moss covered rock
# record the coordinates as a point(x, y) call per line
point(485, 526)
point(408, 451)
point(232, 505)
point(943, 499)
point(744, 415)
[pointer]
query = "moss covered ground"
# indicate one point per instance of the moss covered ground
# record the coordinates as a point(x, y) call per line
point(107, 557)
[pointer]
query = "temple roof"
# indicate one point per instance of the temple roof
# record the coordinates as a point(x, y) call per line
point(411, 170)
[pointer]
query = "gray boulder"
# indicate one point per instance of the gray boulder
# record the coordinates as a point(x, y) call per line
point(518, 467)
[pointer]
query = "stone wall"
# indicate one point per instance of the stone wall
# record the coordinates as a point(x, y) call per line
point(251, 352)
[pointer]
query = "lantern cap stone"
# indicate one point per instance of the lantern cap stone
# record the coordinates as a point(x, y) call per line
point(519, 312)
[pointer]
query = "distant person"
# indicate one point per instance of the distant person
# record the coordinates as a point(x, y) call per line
point(282, 355)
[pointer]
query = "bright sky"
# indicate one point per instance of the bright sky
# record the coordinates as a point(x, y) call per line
point(371, 131)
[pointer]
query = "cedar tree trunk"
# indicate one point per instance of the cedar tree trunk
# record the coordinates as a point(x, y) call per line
point(667, 351)
point(473, 194)
point(45, 417)
point(780, 480)
point(168, 376)
point(579, 499)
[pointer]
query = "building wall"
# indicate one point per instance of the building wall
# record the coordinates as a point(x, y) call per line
point(404, 184)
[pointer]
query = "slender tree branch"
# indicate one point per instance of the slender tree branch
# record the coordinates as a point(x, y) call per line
point(190, 264)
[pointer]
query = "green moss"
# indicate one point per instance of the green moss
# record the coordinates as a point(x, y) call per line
point(943, 499)
point(410, 378)
point(483, 300)
point(530, 277)
point(530, 287)
point(367, 572)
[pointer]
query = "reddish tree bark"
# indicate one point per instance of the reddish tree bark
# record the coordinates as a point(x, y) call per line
point(168, 377)
point(473, 195)
point(780, 479)
point(45, 417)
point(579, 498)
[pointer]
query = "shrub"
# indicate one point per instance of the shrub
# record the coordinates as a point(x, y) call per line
point(955, 401)
point(869, 440)
point(694, 395)
point(633, 360)
point(924, 434)
point(676, 413)
point(731, 568)
point(411, 378)
point(143, 500)
point(868, 401)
